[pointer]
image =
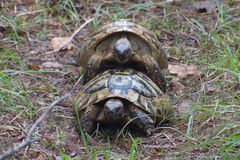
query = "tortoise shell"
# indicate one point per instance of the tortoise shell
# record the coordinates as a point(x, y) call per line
point(142, 40)
point(130, 85)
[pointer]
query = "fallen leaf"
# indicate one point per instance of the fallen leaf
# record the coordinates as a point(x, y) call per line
point(174, 2)
point(25, 1)
point(33, 67)
point(184, 106)
point(208, 6)
point(177, 87)
point(59, 43)
point(51, 65)
point(153, 9)
point(210, 88)
point(184, 70)
point(66, 102)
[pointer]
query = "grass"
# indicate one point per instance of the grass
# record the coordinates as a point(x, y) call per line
point(209, 129)
point(133, 149)
point(11, 94)
point(68, 8)
point(14, 23)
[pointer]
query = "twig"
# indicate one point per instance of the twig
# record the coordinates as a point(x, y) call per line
point(29, 138)
point(174, 129)
point(194, 38)
point(159, 147)
point(72, 36)
point(170, 139)
point(32, 12)
point(80, 79)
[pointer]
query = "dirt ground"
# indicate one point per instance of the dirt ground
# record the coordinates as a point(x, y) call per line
point(203, 81)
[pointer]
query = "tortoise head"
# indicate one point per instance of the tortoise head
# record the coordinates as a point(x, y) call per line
point(122, 50)
point(113, 109)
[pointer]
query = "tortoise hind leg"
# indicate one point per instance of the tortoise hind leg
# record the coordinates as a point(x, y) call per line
point(93, 67)
point(154, 72)
point(141, 119)
point(88, 118)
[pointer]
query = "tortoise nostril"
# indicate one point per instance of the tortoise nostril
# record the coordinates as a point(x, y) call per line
point(127, 51)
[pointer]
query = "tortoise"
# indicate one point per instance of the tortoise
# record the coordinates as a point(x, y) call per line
point(118, 96)
point(123, 43)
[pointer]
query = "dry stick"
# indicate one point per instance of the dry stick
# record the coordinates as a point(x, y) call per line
point(29, 138)
point(170, 139)
point(72, 36)
point(32, 12)
point(174, 129)
point(78, 81)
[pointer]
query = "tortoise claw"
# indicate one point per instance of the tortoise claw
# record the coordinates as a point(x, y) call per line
point(148, 133)
point(143, 121)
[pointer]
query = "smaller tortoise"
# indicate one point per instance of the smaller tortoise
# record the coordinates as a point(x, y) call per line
point(119, 96)
point(124, 43)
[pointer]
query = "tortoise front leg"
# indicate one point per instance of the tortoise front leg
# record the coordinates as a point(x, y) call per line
point(141, 120)
point(93, 67)
point(88, 118)
point(154, 72)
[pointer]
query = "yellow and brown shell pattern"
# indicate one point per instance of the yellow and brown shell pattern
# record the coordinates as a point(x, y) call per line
point(128, 84)
point(123, 26)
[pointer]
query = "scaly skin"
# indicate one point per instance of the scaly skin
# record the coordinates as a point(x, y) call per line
point(93, 67)
point(88, 118)
point(143, 121)
point(154, 72)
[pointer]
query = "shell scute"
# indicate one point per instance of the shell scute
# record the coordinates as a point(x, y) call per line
point(129, 85)
point(126, 27)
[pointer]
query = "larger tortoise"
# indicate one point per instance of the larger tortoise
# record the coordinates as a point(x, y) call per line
point(124, 43)
point(119, 96)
